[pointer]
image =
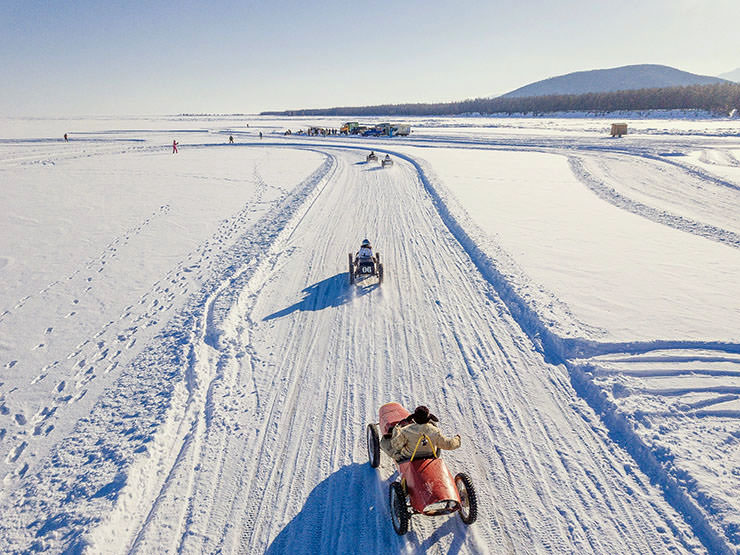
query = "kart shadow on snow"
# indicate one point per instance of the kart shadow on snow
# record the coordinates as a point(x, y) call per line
point(348, 513)
point(330, 292)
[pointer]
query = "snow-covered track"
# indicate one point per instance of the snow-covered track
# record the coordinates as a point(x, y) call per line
point(240, 426)
point(659, 215)
point(556, 349)
point(143, 426)
point(302, 361)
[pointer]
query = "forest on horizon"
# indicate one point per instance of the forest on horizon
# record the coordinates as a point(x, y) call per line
point(720, 98)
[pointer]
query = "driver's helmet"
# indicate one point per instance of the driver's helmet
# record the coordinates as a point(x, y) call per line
point(365, 243)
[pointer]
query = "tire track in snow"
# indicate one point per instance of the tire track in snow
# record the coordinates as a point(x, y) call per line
point(681, 223)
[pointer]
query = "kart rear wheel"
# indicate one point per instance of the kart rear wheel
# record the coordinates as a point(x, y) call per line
point(351, 270)
point(373, 446)
point(468, 499)
point(399, 512)
point(380, 273)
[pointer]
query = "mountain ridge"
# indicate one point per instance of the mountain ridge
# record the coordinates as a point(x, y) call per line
point(733, 75)
point(630, 77)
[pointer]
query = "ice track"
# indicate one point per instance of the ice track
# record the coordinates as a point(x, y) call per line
point(291, 362)
point(239, 428)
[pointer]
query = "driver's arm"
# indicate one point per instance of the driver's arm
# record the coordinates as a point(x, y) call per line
point(444, 442)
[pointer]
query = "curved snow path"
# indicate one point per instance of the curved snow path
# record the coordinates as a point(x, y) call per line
point(299, 363)
point(668, 194)
point(669, 188)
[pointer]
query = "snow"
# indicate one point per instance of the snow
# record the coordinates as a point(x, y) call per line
point(184, 367)
point(593, 255)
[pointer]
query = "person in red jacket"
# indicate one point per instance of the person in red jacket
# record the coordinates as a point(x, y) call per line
point(174, 147)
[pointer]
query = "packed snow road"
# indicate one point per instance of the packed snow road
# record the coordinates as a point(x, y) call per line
point(192, 371)
point(291, 363)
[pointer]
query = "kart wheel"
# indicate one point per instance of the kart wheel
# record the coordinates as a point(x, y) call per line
point(468, 499)
point(373, 446)
point(351, 270)
point(380, 273)
point(399, 513)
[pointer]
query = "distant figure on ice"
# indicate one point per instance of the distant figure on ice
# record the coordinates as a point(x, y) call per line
point(260, 135)
point(174, 147)
point(66, 140)
point(231, 139)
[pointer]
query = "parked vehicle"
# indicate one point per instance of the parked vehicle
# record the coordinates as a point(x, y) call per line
point(348, 128)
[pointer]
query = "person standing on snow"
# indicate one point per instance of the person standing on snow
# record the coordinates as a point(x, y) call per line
point(66, 140)
point(260, 135)
point(419, 436)
point(231, 139)
point(174, 147)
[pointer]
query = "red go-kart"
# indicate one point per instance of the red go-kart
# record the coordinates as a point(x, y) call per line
point(426, 486)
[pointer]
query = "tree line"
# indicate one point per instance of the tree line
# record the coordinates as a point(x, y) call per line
point(719, 98)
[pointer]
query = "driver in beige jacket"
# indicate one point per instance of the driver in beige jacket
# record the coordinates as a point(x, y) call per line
point(406, 437)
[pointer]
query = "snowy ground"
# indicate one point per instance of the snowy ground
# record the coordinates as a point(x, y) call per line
point(185, 368)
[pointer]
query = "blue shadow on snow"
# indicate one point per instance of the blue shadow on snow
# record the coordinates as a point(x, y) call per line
point(330, 292)
point(348, 513)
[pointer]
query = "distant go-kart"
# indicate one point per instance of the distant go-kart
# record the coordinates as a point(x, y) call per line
point(372, 157)
point(426, 487)
point(365, 267)
point(386, 162)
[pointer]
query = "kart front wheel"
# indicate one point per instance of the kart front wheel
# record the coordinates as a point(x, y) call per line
point(399, 513)
point(373, 446)
point(468, 499)
point(351, 270)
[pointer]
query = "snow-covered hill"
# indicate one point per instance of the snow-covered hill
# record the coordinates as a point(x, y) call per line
point(630, 77)
point(731, 75)
point(185, 368)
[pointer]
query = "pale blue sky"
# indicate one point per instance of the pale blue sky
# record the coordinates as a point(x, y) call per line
point(89, 57)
